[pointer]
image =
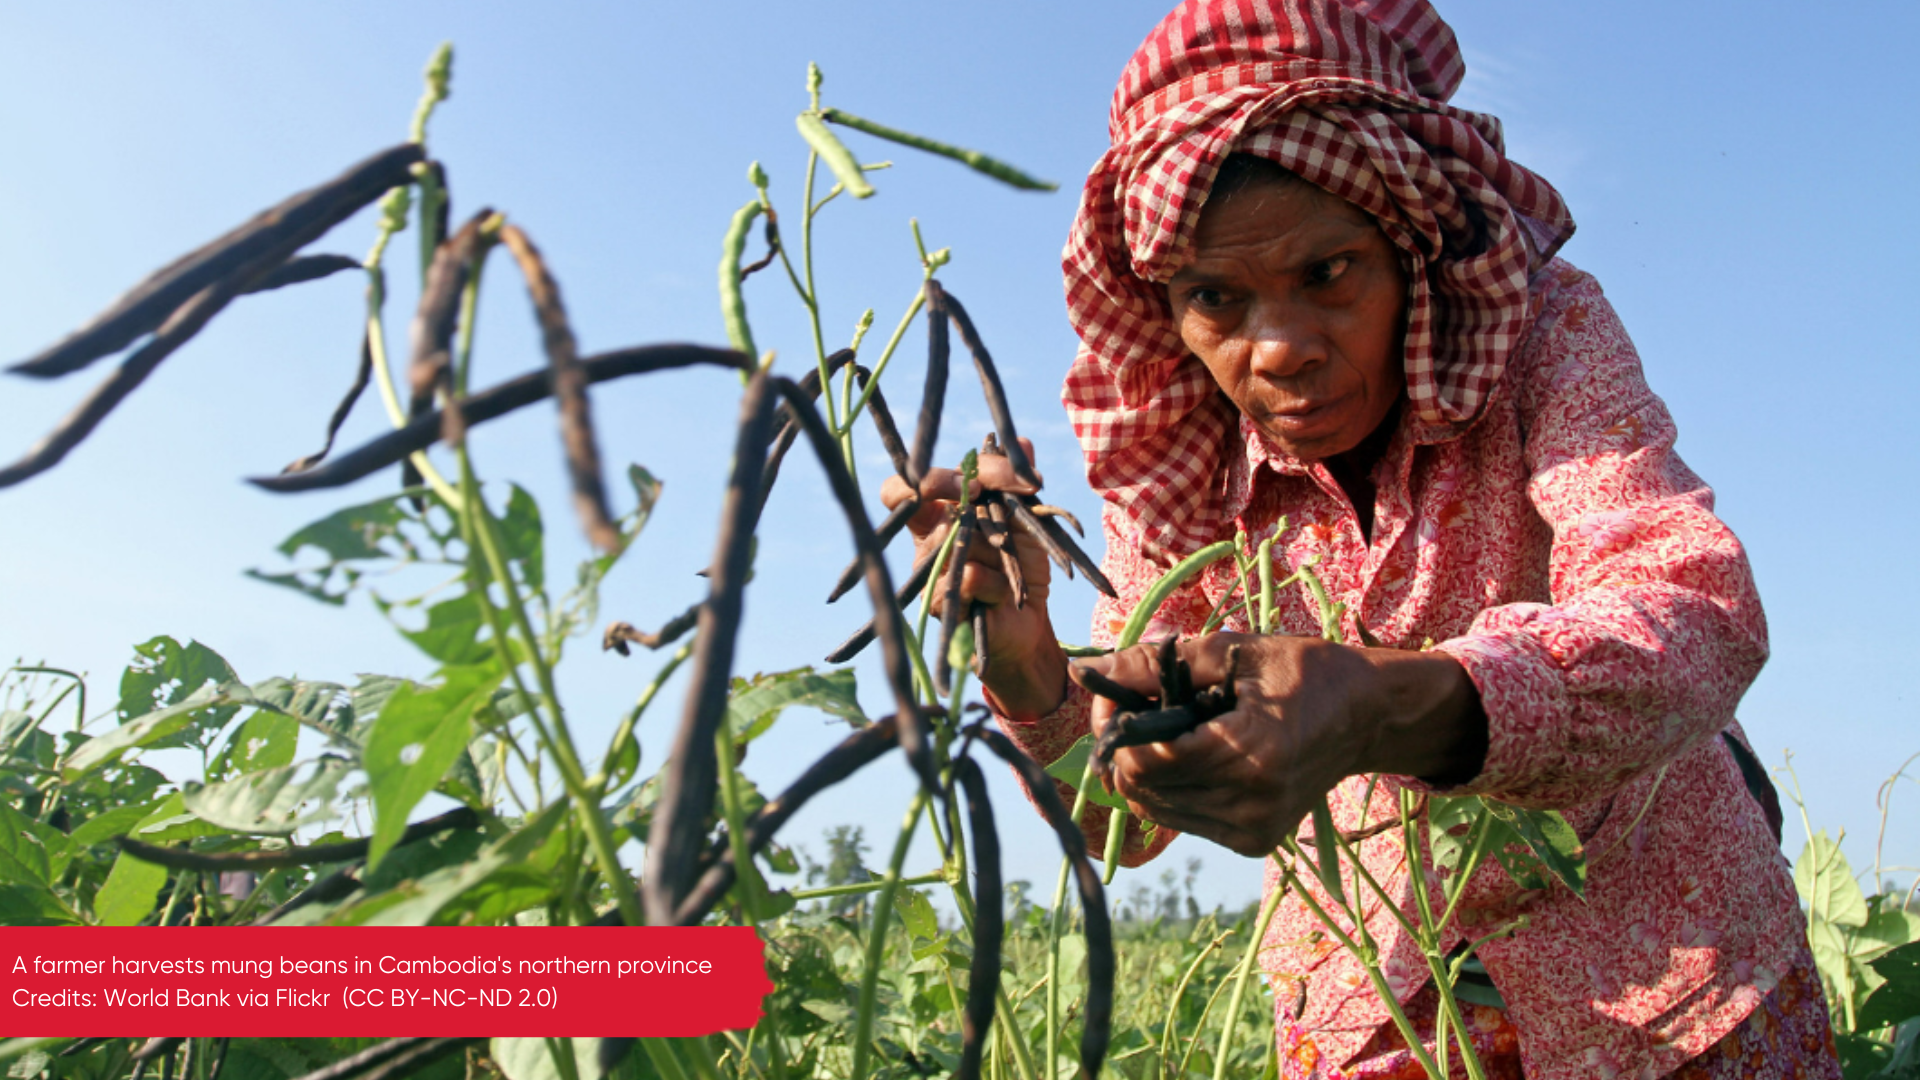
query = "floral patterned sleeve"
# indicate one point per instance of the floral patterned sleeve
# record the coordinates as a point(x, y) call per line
point(1654, 630)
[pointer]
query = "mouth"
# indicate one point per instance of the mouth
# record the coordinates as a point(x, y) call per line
point(1299, 417)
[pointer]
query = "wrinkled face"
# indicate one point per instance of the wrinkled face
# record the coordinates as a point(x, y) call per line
point(1296, 302)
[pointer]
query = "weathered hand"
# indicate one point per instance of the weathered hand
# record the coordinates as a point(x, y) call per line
point(1025, 671)
point(1309, 713)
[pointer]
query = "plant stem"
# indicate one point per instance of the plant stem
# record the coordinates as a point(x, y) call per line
point(632, 719)
point(557, 740)
point(886, 354)
point(1054, 927)
point(813, 295)
point(752, 888)
point(933, 878)
point(877, 936)
point(1180, 991)
point(1372, 967)
point(1247, 963)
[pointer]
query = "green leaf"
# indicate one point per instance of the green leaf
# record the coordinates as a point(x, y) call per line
point(1826, 883)
point(452, 633)
point(28, 852)
point(265, 741)
point(169, 823)
point(532, 1058)
point(269, 801)
point(1888, 927)
point(1326, 851)
point(834, 153)
point(1073, 764)
point(102, 828)
point(916, 914)
point(368, 532)
point(506, 877)
point(130, 892)
point(756, 704)
point(27, 848)
point(1550, 839)
point(522, 538)
point(165, 673)
point(133, 887)
point(416, 737)
point(1450, 821)
point(1898, 999)
point(154, 729)
point(314, 703)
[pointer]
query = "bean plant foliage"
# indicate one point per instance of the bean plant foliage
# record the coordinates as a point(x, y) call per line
point(319, 803)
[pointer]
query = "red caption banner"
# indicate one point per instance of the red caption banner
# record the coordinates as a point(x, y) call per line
point(294, 982)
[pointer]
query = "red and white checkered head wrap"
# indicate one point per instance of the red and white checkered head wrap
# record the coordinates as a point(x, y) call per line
point(1350, 95)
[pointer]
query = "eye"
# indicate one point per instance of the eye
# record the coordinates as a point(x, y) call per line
point(1327, 271)
point(1205, 297)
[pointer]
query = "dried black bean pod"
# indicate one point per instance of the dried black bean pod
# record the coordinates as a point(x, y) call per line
point(692, 774)
point(284, 229)
point(952, 609)
point(1023, 516)
point(1176, 679)
point(996, 394)
point(1091, 680)
point(1142, 729)
point(863, 637)
point(855, 752)
point(303, 268)
point(989, 920)
point(434, 320)
point(994, 526)
point(1051, 527)
point(884, 426)
point(182, 859)
point(1180, 710)
point(896, 520)
point(362, 375)
point(177, 330)
point(790, 428)
point(915, 733)
point(569, 391)
point(1093, 901)
point(933, 398)
point(1042, 510)
point(619, 634)
point(491, 404)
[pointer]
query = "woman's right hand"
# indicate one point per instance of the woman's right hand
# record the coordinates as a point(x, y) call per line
point(1025, 671)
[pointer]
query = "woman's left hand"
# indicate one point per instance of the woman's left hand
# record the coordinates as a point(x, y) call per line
point(1309, 713)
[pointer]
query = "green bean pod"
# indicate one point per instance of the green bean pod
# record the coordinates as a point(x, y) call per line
point(733, 304)
point(834, 153)
point(1150, 603)
point(972, 159)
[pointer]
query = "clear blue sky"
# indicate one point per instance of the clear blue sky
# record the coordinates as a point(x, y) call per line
point(1742, 175)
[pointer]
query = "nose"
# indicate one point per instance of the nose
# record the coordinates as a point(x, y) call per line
point(1286, 340)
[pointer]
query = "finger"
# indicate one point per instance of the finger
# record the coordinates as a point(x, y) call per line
point(997, 474)
point(894, 491)
point(1133, 668)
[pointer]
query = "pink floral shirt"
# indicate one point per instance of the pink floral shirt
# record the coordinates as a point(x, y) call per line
point(1563, 553)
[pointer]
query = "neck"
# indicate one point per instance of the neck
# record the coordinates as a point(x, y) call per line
point(1353, 470)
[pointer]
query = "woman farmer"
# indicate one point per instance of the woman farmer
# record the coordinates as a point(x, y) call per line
point(1309, 290)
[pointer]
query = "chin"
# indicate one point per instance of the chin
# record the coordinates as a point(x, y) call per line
point(1314, 447)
